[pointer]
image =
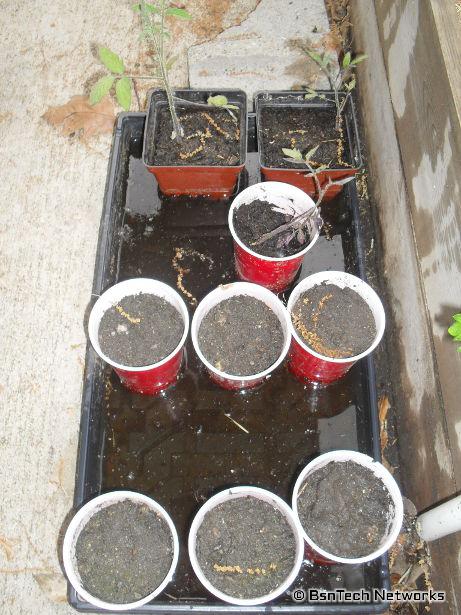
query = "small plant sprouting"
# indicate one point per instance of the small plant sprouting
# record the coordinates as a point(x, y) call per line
point(342, 79)
point(302, 220)
point(153, 19)
point(455, 329)
point(220, 101)
point(117, 76)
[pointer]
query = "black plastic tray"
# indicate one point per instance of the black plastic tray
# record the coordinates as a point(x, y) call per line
point(180, 447)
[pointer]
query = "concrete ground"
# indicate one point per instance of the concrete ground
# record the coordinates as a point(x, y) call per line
point(51, 198)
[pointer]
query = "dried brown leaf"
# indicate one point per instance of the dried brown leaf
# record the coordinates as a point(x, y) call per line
point(53, 586)
point(78, 116)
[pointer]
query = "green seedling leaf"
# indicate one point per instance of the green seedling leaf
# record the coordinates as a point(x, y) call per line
point(455, 331)
point(150, 8)
point(111, 60)
point(309, 155)
point(172, 11)
point(101, 88)
point(295, 154)
point(170, 62)
point(457, 317)
point(351, 85)
point(123, 92)
point(217, 101)
point(220, 101)
point(347, 59)
point(360, 58)
point(315, 56)
point(310, 94)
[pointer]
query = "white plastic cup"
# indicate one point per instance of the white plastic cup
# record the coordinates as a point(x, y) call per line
point(226, 291)
point(79, 521)
point(395, 514)
point(149, 379)
point(306, 363)
point(276, 274)
point(232, 494)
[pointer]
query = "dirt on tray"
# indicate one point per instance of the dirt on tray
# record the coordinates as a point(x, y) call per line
point(303, 128)
point(345, 509)
point(245, 547)
point(241, 336)
point(211, 138)
point(253, 220)
point(124, 552)
point(335, 322)
point(140, 330)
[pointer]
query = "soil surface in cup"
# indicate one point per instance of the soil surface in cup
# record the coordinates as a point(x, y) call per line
point(241, 336)
point(140, 330)
point(124, 552)
point(345, 509)
point(211, 138)
point(303, 128)
point(245, 547)
point(254, 220)
point(335, 322)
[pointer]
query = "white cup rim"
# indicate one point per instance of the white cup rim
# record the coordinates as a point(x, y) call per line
point(341, 279)
point(381, 472)
point(275, 186)
point(252, 290)
point(267, 496)
point(78, 523)
point(135, 286)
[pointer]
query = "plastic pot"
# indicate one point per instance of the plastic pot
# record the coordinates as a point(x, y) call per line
point(305, 363)
point(276, 502)
point(77, 524)
point(194, 180)
point(150, 379)
point(299, 176)
point(223, 379)
point(277, 274)
point(321, 556)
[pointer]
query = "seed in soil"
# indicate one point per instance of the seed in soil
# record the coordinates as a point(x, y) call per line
point(245, 547)
point(335, 322)
point(124, 552)
point(211, 138)
point(241, 336)
point(252, 220)
point(302, 128)
point(345, 509)
point(140, 330)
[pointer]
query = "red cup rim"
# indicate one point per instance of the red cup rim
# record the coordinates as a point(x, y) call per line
point(330, 277)
point(93, 326)
point(236, 203)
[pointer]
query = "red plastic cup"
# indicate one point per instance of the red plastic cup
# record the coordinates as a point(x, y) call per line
point(150, 379)
point(395, 516)
point(223, 379)
point(276, 274)
point(304, 362)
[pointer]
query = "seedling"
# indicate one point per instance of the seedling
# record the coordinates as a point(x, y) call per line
point(342, 79)
point(455, 329)
point(303, 220)
point(118, 76)
point(220, 101)
point(155, 32)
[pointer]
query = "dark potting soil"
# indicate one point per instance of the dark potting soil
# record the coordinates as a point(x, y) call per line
point(303, 128)
point(245, 547)
point(241, 336)
point(140, 330)
point(345, 509)
point(124, 552)
point(253, 220)
point(335, 322)
point(211, 137)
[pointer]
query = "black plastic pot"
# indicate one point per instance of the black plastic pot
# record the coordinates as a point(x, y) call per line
point(299, 176)
point(194, 180)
